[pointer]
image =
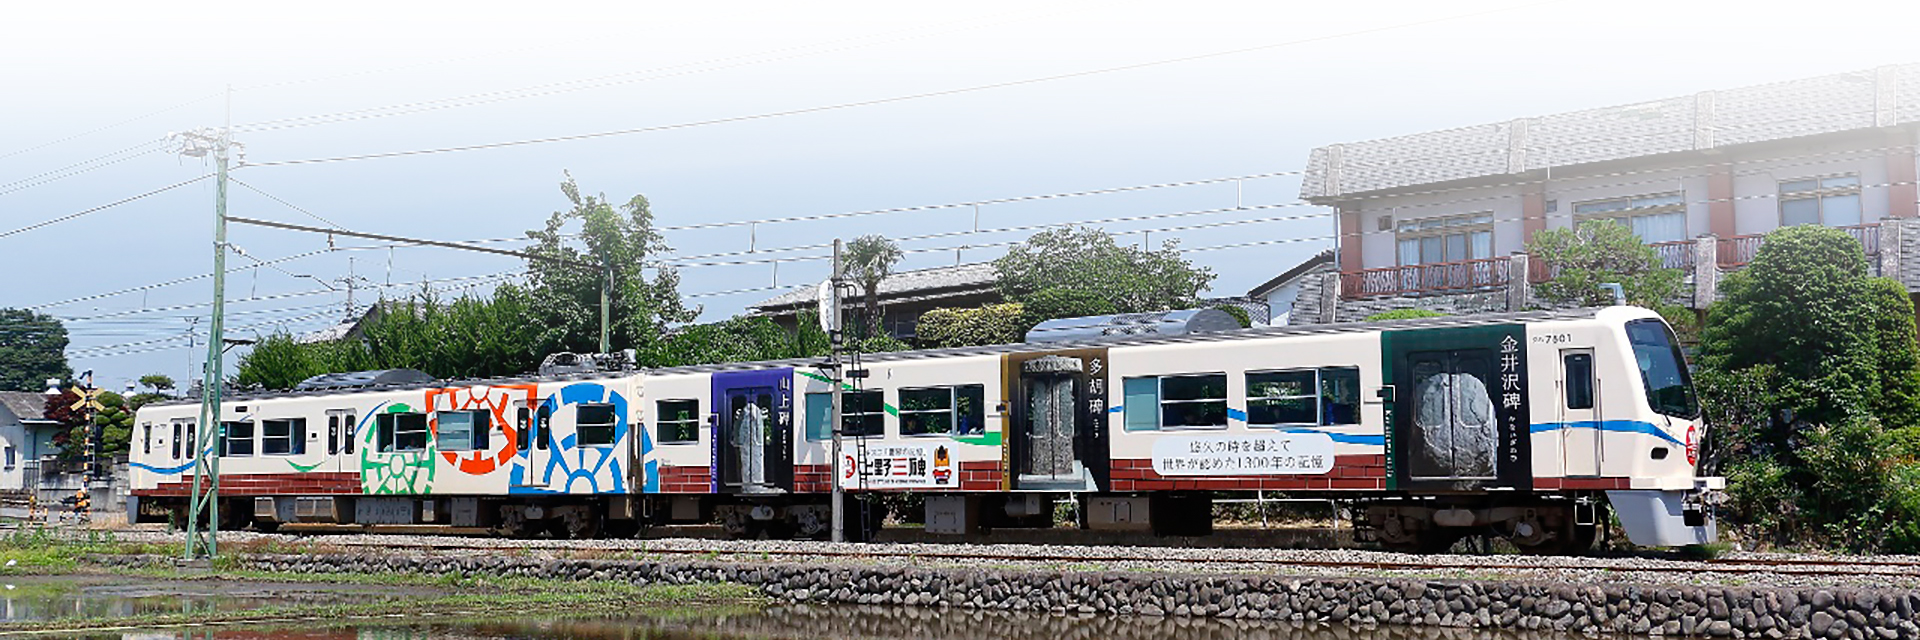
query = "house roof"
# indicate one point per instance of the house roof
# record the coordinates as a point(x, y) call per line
point(1880, 97)
point(919, 284)
point(25, 405)
point(1325, 257)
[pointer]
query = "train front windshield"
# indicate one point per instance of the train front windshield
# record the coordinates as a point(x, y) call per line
point(1663, 371)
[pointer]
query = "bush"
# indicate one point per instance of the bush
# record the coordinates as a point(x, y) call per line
point(1404, 314)
point(991, 324)
point(1239, 315)
point(1058, 302)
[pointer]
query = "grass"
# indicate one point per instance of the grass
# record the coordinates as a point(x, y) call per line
point(459, 595)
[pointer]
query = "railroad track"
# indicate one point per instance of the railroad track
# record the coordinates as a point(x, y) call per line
point(1723, 566)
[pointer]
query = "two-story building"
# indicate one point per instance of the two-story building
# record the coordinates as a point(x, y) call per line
point(1441, 219)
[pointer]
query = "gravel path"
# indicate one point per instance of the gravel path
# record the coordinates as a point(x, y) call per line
point(1736, 569)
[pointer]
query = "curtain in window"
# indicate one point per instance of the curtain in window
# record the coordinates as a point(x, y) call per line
point(1666, 227)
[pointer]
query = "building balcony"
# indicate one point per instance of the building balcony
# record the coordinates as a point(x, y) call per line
point(1490, 274)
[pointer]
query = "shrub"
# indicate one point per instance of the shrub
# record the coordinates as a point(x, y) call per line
point(1404, 314)
point(992, 324)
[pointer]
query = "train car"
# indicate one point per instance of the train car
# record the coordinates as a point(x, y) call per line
point(1531, 427)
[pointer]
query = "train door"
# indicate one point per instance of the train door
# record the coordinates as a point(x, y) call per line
point(1459, 417)
point(1057, 406)
point(1454, 429)
point(533, 441)
point(1579, 414)
point(342, 430)
point(753, 430)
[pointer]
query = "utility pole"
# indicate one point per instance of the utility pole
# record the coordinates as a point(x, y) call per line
point(206, 461)
point(834, 371)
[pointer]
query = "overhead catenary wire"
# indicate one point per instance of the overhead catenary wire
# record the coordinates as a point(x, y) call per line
point(892, 99)
point(110, 205)
point(84, 166)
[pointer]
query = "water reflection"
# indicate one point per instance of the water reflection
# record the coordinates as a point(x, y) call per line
point(838, 622)
point(29, 598)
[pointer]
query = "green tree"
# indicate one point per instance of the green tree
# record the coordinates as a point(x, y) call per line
point(159, 383)
point(564, 300)
point(1808, 378)
point(1086, 260)
point(1596, 252)
point(1807, 307)
point(869, 260)
point(33, 348)
point(1053, 303)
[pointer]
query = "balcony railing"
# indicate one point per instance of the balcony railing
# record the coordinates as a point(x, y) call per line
point(1425, 278)
point(1737, 251)
point(1671, 255)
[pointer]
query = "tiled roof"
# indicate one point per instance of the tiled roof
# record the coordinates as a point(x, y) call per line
point(966, 278)
point(25, 405)
point(1325, 257)
point(1879, 97)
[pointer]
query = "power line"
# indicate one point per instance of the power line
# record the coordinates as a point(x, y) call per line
point(553, 88)
point(103, 207)
point(175, 281)
point(901, 98)
point(110, 126)
point(84, 166)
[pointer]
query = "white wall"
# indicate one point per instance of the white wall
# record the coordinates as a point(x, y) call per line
point(1756, 183)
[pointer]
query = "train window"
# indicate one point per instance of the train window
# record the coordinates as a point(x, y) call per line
point(862, 413)
point(679, 420)
point(819, 416)
point(593, 424)
point(463, 430)
point(333, 434)
point(1579, 368)
point(1663, 370)
point(193, 441)
point(1283, 398)
point(236, 439)
point(283, 437)
point(1339, 395)
point(542, 423)
point(523, 425)
point(1193, 401)
point(349, 432)
point(942, 410)
point(146, 446)
point(179, 428)
point(401, 432)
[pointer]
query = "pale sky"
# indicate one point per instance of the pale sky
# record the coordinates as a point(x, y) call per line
point(83, 80)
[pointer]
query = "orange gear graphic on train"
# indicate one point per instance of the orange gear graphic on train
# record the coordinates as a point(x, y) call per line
point(496, 401)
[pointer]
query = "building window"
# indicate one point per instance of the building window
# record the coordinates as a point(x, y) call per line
point(1660, 217)
point(1175, 402)
point(283, 437)
point(401, 432)
point(593, 424)
point(679, 421)
point(941, 411)
point(1833, 201)
point(236, 439)
point(463, 430)
point(1307, 397)
point(1448, 239)
point(11, 457)
point(862, 413)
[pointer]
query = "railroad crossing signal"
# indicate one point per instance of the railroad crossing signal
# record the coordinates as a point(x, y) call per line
point(89, 399)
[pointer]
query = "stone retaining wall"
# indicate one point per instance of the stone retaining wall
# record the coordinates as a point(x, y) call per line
point(1739, 612)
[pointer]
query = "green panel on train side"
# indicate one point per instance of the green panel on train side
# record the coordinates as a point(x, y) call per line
point(1458, 418)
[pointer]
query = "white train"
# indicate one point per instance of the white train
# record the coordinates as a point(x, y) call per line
point(1529, 426)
